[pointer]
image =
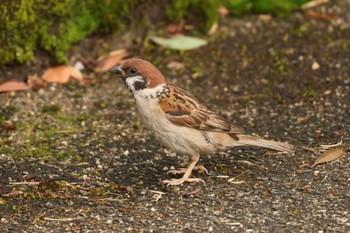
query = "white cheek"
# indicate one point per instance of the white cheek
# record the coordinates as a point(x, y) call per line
point(130, 82)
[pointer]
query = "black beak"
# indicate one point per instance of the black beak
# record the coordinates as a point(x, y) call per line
point(117, 70)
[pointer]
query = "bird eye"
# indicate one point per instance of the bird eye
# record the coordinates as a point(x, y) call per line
point(133, 71)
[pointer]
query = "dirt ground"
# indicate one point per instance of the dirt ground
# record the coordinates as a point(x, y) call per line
point(79, 159)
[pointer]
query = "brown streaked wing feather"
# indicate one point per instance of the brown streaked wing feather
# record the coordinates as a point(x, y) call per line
point(182, 109)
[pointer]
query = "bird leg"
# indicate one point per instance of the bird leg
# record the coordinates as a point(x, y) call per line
point(187, 173)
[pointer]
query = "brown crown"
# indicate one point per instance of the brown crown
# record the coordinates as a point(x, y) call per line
point(146, 69)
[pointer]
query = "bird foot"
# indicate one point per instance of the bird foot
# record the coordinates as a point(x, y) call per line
point(182, 180)
point(201, 169)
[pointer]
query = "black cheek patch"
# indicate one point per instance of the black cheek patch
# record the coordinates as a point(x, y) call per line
point(139, 85)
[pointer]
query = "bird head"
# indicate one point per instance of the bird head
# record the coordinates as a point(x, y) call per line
point(138, 74)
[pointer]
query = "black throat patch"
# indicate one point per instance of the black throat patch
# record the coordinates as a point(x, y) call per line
point(141, 84)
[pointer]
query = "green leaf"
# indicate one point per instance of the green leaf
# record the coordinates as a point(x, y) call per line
point(180, 42)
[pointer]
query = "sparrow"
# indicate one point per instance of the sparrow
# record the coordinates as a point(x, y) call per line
point(179, 121)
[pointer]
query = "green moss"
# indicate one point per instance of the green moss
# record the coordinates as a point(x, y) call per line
point(43, 140)
point(55, 25)
point(78, 94)
point(190, 9)
point(51, 109)
point(310, 92)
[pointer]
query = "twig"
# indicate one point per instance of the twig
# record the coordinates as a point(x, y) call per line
point(325, 147)
point(313, 4)
point(62, 219)
point(156, 194)
point(24, 183)
point(155, 191)
point(309, 149)
point(222, 176)
point(69, 131)
point(250, 163)
point(233, 178)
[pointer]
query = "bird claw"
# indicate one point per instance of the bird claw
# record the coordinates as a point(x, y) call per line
point(174, 182)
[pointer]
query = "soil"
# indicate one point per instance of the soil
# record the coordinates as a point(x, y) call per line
point(75, 157)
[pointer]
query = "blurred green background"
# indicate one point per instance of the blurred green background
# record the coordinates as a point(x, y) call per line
point(27, 25)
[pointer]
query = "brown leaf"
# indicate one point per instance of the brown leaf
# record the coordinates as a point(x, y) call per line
point(174, 65)
point(58, 74)
point(174, 28)
point(13, 86)
point(35, 82)
point(61, 74)
point(330, 155)
point(222, 11)
point(304, 165)
point(313, 3)
point(76, 74)
point(315, 15)
point(114, 58)
point(9, 125)
point(213, 29)
point(14, 193)
point(245, 63)
point(265, 17)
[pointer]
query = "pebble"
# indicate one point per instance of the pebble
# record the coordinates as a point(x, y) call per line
point(315, 66)
point(109, 221)
point(276, 207)
point(49, 205)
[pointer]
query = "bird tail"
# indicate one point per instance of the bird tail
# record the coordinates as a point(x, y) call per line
point(255, 141)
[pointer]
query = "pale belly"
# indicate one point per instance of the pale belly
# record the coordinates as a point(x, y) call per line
point(181, 140)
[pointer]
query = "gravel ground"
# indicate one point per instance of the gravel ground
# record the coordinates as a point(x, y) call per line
point(90, 166)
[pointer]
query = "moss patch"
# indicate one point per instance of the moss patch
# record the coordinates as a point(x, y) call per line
point(56, 25)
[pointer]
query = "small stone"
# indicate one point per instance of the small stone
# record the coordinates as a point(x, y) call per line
point(79, 65)
point(109, 221)
point(276, 207)
point(49, 205)
point(275, 179)
point(237, 89)
point(315, 66)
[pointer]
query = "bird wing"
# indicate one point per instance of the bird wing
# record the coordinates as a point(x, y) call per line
point(184, 110)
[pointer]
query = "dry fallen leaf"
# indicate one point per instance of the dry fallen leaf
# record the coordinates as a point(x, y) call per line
point(176, 65)
point(304, 165)
point(265, 17)
point(222, 11)
point(61, 74)
point(245, 63)
point(14, 193)
point(174, 28)
point(104, 63)
point(330, 155)
point(9, 125)
point(13, 86)
point(213, 29)
point(35, 82)
point(315, 15)
point(76, 74)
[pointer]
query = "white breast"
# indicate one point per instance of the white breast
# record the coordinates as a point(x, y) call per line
point(182, 140)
